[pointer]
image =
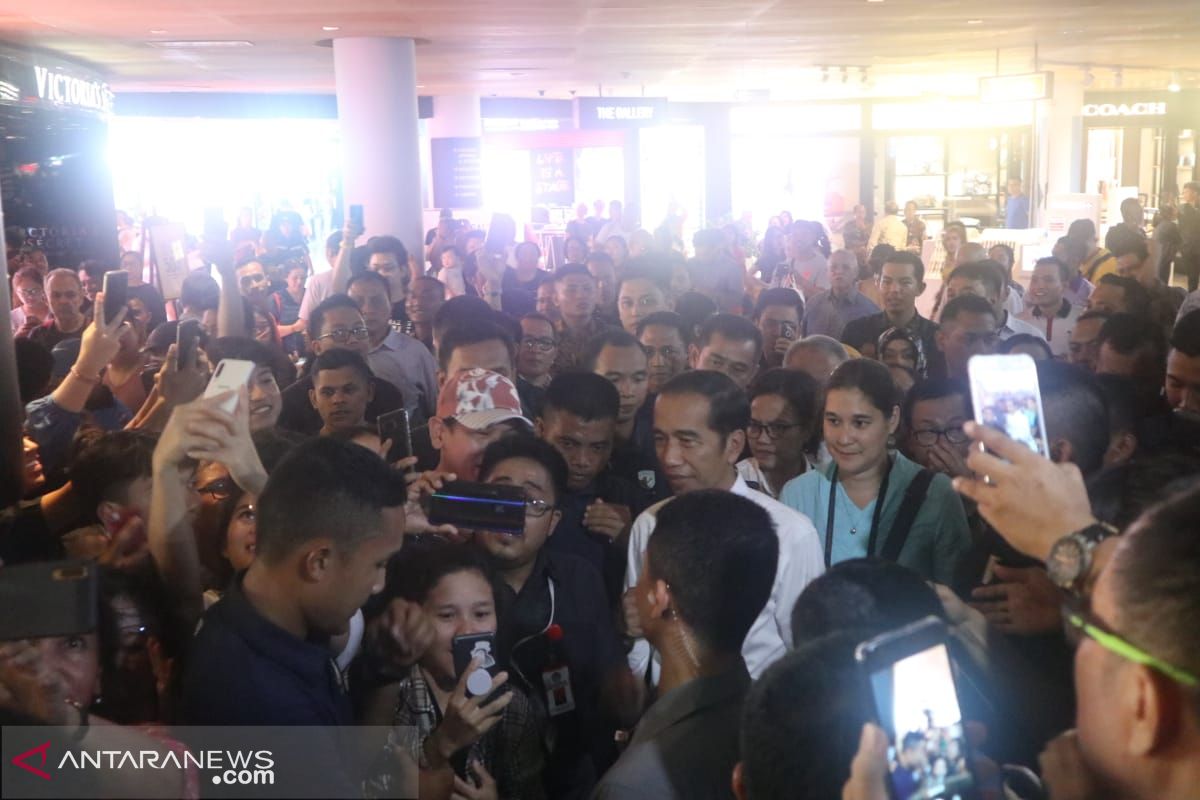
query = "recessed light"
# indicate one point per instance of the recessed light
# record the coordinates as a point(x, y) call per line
point(157, 32)
point(330, 28)
point(974, 22)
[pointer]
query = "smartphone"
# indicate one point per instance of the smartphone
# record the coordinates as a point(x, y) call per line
point(187, 341)
point(916, 703)
point(789, 330)
point(479, 506)
point(116, 293)
point(395, 425)
point(356, 216)
point(1005, 393)
point(229, 375)
point(467, 647)
point(52, 598)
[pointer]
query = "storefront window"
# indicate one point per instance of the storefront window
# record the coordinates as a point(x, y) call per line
point(672, 176)
point(599, 175)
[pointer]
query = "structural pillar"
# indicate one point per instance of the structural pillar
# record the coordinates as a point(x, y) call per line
point(1058, 143)
point(455, 152)
point(377, 113)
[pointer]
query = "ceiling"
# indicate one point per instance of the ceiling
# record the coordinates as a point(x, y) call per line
point(686, 49)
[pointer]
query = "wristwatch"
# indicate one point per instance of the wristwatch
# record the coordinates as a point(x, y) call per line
point(1071, 556)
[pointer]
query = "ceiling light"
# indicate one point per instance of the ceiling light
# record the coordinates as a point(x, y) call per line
point(200, 44)
point(157, 32)
point(974, 22)
point(874, 1)
point(330, 28)
point(1174, 86)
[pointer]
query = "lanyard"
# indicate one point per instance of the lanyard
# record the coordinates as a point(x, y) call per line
point(879, 500)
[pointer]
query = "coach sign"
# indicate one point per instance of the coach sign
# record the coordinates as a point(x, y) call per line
point(1136, 109)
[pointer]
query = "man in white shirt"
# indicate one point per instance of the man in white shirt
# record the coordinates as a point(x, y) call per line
point(615, 225)
point(1048, 310)
point(986, 279)
point(889, 229)
point(700, 419)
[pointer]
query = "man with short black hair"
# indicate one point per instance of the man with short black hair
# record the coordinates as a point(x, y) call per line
point(1016, 206)
point(644, 289)
point(778, 315)
point(398, 359)
point(700, 421)
point(319, 285)
point(579, 419)
point(425, 296)
point(330, 517)
point(341, 390)
point(537, 350)
point(969, 328)
point(1119, 294)
point(578, 296)
point(728, 344)
point(1084, 347)
point(933, 415)
point(1183, 364)
point(1096, 261)
point(1047, 307)
point(554, 611)
point(987, 279)
point(152, 299)
point(1132, 346)
point(702, 587)
point(665, 337)
point(1076, 423)
point(901, 282)
point(253, 282)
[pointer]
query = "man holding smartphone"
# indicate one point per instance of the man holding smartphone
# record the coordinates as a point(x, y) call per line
point(778, 314)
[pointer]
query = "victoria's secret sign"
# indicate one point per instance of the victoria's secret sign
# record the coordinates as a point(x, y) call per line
point(34, 79)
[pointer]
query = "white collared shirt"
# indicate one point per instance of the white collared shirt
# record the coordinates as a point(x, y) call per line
point(1012, 326)
point(800, 562)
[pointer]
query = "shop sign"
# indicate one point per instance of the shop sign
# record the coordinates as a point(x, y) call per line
point(61, 89)
point(1155, 109)
point(620, 112)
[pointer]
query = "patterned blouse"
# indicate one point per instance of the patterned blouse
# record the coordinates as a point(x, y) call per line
point(512, 751)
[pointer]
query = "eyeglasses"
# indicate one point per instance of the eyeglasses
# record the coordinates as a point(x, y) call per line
point(929, 437)
point(537, 508)
point(31, 291)
point(220, 489)
point(343, 335)
point(774, 430)
point(1079, 623)
point(540, 345)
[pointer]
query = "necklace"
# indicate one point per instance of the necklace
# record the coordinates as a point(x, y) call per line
point(843, 499)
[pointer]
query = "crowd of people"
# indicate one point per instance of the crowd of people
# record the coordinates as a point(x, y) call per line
point(734, 472)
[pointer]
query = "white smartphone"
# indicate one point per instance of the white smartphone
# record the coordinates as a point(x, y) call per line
point(1005, 393)
point(229, 375)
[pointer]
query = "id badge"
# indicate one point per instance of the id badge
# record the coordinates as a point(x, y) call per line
point(559, 697)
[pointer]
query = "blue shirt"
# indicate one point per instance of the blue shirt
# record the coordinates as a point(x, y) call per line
point(1016, 211)
point(937, 541)
point(827, 314)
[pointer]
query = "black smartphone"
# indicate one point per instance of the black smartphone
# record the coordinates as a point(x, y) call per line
point(395, 425)
point(187, 341)
point(356, 216)
point(479, 506)
point(215, 229)
point(916, 703)
point(789, 331)
point(52, 598)
point(468, 647)
point(116, 293)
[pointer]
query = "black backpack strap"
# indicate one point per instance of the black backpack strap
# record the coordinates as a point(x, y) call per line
point(913, 500)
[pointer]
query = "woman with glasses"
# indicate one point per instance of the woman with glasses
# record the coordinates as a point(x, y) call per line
point(782, 431)
point(871, 500)
point(33, 309)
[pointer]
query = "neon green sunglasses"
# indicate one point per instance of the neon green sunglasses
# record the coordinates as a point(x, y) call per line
point(1080, 623)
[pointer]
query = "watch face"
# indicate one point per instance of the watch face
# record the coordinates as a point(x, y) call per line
point(1066, 561)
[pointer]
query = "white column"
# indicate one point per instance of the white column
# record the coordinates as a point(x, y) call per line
point(1058, 141)
point(377, 113)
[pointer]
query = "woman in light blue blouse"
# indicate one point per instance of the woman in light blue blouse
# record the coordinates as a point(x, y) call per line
point(856, 502)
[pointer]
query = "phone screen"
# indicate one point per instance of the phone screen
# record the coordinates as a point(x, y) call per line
point(917, 704)
point(1005, 394)
point(356, 216)
point(116, 293)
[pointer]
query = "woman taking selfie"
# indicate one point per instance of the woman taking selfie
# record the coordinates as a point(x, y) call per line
point(871, 500)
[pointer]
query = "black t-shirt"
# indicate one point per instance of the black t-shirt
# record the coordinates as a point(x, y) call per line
point(299, 415)
point(153, 301)
point(520, 297)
